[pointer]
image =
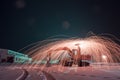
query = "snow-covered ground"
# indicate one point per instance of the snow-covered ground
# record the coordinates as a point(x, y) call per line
point(85, 73)
point(9, 73)
point(101, 72)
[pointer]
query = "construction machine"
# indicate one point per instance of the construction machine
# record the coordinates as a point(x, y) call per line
point(75, 58)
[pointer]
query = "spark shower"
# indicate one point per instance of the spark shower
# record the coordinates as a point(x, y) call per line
point(98, 46)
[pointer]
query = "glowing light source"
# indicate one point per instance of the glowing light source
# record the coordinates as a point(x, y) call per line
point(104, 57)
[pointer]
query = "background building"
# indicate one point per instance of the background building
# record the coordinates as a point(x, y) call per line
point(9, 56)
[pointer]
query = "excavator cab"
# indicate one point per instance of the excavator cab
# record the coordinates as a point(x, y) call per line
point(81, 60)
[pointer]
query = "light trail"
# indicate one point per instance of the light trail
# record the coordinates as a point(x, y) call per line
point(96, 46)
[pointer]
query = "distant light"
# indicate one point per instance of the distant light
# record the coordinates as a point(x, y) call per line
point(104, 57)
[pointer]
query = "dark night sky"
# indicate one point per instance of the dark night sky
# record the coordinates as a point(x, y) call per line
point(26, 21)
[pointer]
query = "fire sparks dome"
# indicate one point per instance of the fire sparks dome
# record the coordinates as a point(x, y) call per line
point(97, 46)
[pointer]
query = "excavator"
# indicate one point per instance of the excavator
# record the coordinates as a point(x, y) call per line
point(75, 58)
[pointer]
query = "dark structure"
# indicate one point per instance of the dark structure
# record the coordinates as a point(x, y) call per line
point(9, 56)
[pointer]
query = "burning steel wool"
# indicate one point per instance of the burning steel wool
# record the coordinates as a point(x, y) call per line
point(97, 48)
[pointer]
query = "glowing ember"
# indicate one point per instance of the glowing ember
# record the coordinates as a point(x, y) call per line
point(104, 57)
